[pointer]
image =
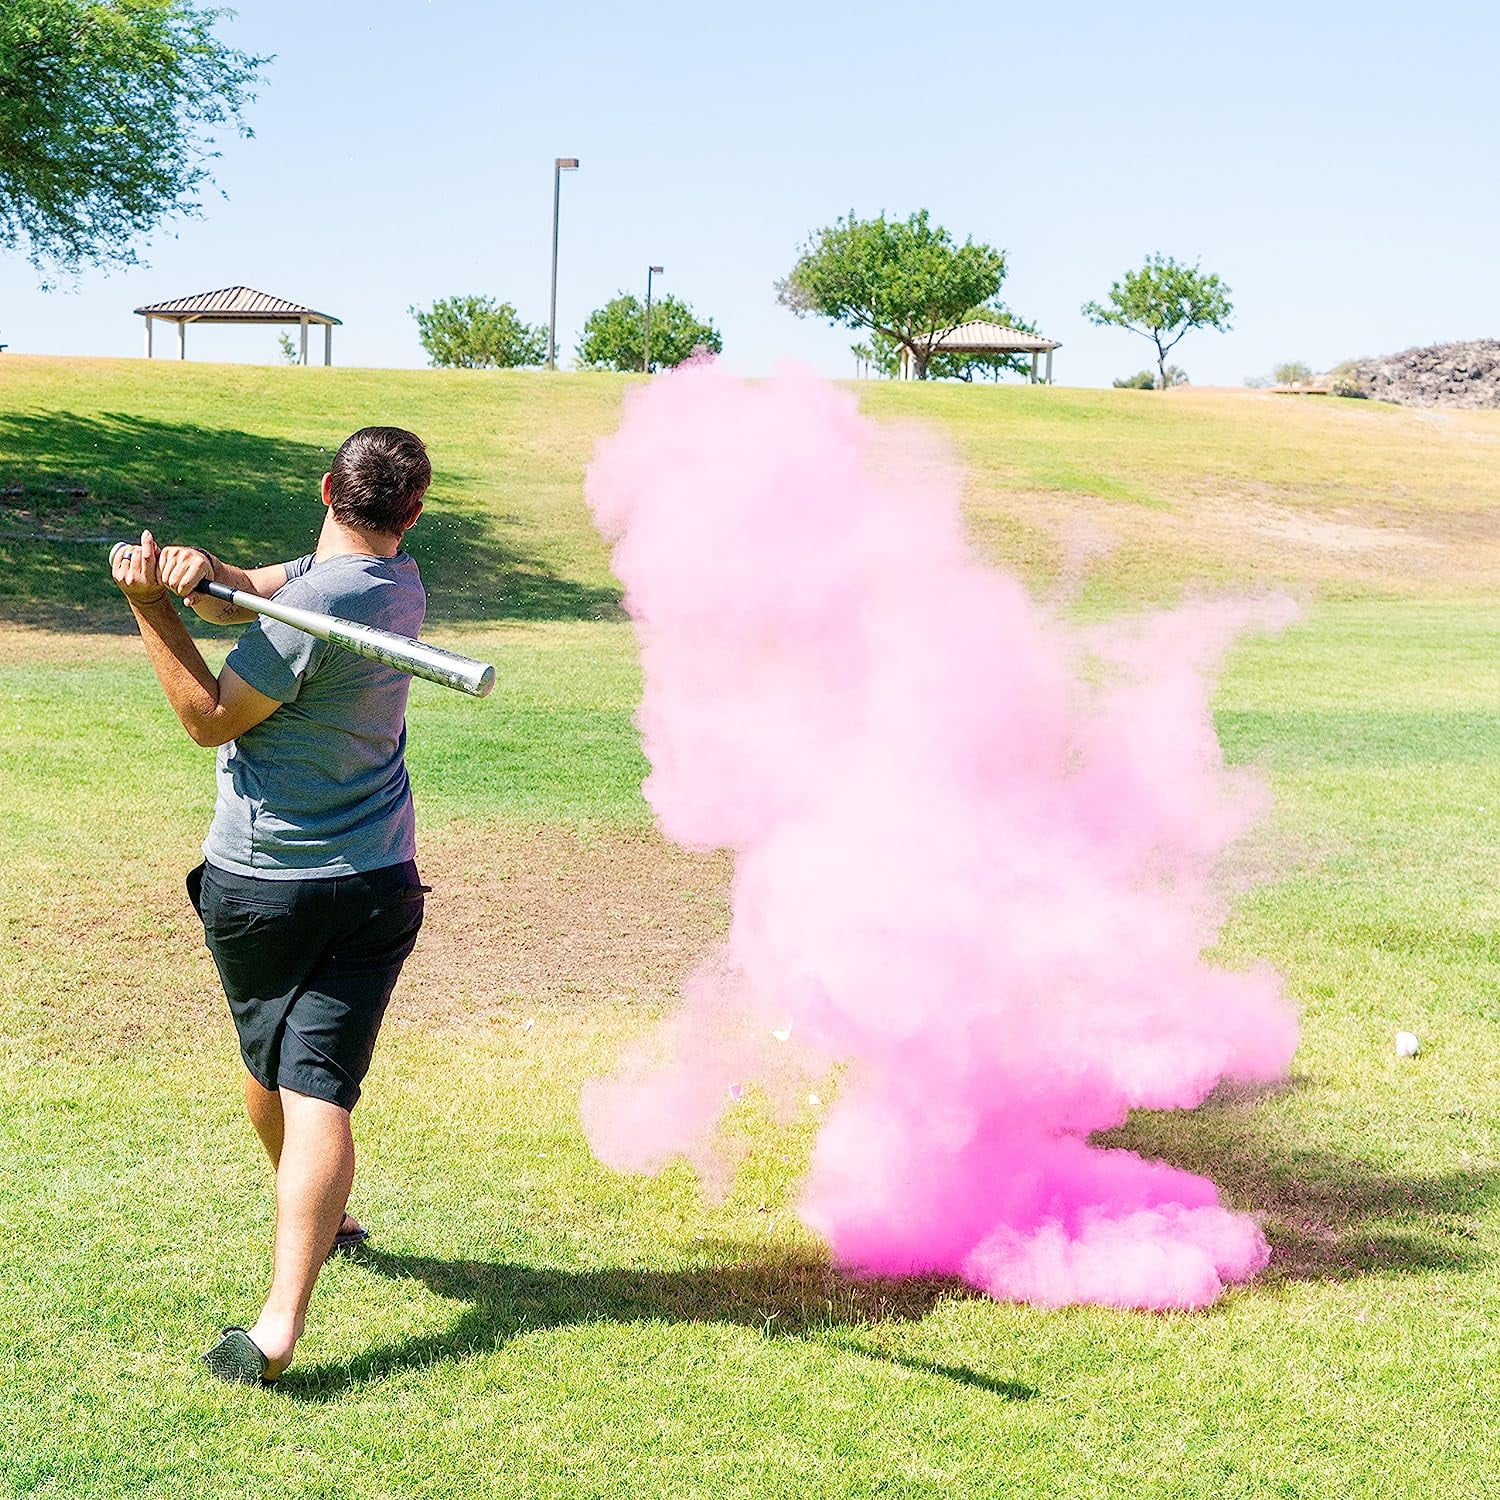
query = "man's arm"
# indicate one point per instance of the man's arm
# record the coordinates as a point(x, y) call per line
point(182, 569)
point(213, 710)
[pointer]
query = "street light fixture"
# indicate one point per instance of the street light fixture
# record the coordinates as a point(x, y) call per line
point(650, 272)
point(561, 165)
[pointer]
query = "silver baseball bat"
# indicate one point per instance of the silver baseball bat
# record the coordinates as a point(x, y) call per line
point(417, 658)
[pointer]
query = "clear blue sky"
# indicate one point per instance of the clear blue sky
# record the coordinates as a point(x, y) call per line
point(1334, 163)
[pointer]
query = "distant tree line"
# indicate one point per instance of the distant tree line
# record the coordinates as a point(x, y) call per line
point(107, 114)
point(908, 284)
point(478, 333)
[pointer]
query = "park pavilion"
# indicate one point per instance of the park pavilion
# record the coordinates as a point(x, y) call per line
point(236, 304)
point(980, 337)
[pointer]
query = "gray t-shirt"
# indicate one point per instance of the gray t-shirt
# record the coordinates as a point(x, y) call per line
point(319, 788)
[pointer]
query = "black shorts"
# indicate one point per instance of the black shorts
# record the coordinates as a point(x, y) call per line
point(309, 966)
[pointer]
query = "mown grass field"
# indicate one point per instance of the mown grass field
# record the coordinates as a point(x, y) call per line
point(528, 1324)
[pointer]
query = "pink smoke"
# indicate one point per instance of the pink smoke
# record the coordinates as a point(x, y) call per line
point(976, 852)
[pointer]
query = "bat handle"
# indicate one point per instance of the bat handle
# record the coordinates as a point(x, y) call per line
point(208, 586)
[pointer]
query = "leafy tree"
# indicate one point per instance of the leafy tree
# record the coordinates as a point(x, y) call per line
point(290, 354)
point(904, 280)
point(107, 112)
point(884, 353)
point(614, 338)
point(1291, 372)
point(478, 333)
point(1163, 302)
point(1142, 380)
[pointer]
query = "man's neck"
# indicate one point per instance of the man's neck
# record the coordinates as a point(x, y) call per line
point(338, 540)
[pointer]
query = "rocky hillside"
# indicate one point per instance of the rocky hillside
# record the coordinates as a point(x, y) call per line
point(1466, 374)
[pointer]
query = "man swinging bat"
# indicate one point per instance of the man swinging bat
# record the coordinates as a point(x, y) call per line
point(308, 892)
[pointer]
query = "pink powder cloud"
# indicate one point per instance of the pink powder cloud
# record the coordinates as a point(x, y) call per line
point(976, 857)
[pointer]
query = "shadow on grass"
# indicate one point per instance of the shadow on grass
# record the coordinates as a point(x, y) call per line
point(70, 484)
point(1327, 1217)
point(783, 1298)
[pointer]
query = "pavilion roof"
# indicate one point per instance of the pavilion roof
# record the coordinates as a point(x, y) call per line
point(235, 304)
point(981, 337)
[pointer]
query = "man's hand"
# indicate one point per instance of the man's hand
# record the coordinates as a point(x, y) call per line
point(182, 569)
point(134, 570)
point(213, 710)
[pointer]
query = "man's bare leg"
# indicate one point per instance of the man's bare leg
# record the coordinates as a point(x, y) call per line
point(313, 1178)
point(264, 1108)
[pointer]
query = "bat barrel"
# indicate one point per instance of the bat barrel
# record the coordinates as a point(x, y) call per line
point(417, 658)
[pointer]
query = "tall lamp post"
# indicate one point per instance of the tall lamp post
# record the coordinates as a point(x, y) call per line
point(650, 272)
point(561, 165)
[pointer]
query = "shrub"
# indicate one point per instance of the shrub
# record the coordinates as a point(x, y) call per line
point(1143, 380)
point(1346, 381)
point(478, 333)
point(614, 338)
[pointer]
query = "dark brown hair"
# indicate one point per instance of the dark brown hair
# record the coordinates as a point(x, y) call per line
point(378, 479)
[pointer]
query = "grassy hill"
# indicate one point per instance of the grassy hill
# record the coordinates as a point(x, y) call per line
point(530, 1325)
point(1347, 497)
point(230, 456)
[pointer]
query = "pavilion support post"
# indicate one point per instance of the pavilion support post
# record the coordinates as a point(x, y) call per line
point(1034, 358)
point(328, 343)
point(304, 341)
point(148, 335)
point(182, 338)
point(1049, 367)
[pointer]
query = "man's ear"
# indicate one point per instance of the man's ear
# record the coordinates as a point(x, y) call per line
point(328, 489)
point(417, 512)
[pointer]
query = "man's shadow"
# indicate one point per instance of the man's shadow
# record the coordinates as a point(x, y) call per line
point(1328, 1219)
point(784, 1296)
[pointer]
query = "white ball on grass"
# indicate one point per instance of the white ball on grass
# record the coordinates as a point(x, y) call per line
point(1407, 1044)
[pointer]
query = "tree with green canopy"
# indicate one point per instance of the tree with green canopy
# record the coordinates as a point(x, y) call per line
point(884, 353)
point(478, 333)
point(904, 280)
point(614, 338)
point(1164, 302)
point(108, 112)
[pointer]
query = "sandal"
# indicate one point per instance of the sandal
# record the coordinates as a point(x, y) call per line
point(236, 1359)
point(350, 1239)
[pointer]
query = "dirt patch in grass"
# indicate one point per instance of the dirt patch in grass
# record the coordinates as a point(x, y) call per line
point(1404, 549)
point(521, 918)
point(1255, 539)
point(1337, 533)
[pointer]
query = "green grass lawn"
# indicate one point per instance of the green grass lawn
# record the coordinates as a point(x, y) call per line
point(528, 1324)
